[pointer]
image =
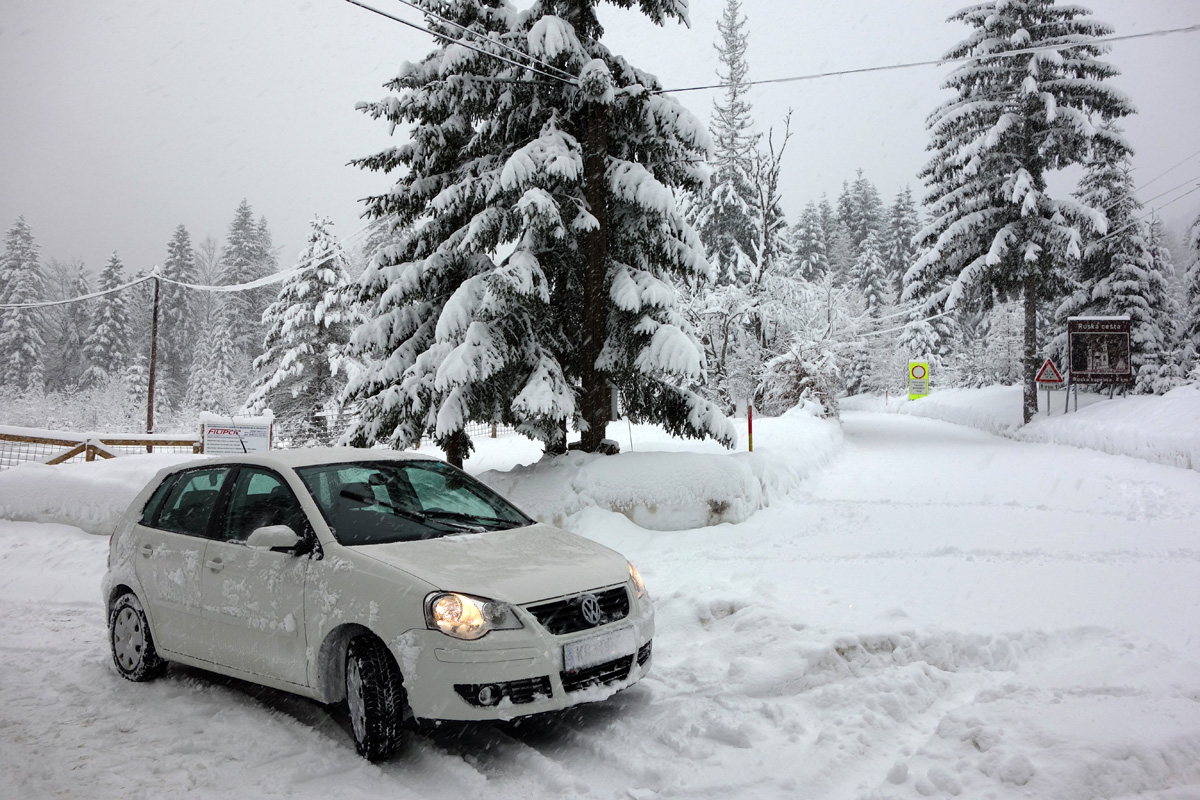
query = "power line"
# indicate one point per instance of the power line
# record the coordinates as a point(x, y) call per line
point(940, 61)
point(1169, 170)
point(905, 326)
point(452, 40)
point(1151, 212)
point(566, 75)
point(266, 280)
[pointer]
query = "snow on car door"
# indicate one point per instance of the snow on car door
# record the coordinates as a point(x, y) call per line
point(168, 562)
point(254, 599)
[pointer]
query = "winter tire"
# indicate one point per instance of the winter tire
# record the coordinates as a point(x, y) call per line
point(132, 645)
point(374, 697)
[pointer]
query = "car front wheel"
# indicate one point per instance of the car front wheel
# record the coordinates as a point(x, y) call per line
point(132, 645)
point(375, 698)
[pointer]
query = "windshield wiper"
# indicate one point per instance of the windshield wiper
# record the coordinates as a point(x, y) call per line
point(415, 516)
point(468, 519)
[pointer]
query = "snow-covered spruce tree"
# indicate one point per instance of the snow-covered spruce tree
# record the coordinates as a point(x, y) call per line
point(21, 282)
point(1190, 333)
point(107, 346)
point(725, 213)
point(216, 383)
point(572, 183)
point(1013, 119)
point(1121, 272)
point(1162, 369)
point(899, 245)
point(870, 275)
point(66, 325)
point(861, 210)
point(307, 327)
point(809, 259)
point(179, 322)
point(245, 258)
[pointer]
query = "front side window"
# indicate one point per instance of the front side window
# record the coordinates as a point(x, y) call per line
point(376, 502)
point(260, 498)
point(189, 505)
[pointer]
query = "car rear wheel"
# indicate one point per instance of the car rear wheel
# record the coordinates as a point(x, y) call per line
point(132, 645)
point(375, 698)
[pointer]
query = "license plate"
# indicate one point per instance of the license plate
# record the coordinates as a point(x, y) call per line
point(598, 649)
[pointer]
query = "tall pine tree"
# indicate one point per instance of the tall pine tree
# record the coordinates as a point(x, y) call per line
point(1015, 116)
point(500, 161)
point(809, 258)
point(899, 241)
point(1124, 270)
point(107, 347)
point(307, 327)
point(1190, 335)
point(21, 282)
point(179, 322)
point(726, 220)
point(247, 256)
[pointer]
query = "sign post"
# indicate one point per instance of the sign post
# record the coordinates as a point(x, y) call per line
point(1048, 376)
point(918, 379)
point(1098, 349)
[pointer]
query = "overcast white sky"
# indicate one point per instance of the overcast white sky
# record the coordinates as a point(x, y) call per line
point(121, 119)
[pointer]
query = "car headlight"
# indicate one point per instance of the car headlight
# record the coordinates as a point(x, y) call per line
point(465, 617)
point(639, 585)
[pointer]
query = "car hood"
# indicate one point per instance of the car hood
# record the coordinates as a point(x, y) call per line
point(518, 566)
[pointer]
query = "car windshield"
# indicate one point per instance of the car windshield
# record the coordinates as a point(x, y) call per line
point(375, 502)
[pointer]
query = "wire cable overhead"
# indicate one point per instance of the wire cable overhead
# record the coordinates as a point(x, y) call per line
point(940, 61)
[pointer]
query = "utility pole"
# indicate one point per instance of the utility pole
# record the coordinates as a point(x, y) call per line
point(153, 359)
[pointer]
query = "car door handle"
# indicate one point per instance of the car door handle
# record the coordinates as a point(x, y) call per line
point(147, 550)
point(215, 564)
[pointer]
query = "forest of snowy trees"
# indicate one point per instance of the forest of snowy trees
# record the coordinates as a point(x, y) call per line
point(546, 243)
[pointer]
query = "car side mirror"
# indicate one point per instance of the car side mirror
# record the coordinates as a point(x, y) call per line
point(273, 537)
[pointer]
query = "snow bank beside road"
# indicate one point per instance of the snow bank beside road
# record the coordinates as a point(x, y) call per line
point(1159, 429)
point(660, 489)
point(661, 486)
point(91, 496)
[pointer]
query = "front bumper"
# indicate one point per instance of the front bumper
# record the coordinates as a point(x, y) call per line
point(518, 672)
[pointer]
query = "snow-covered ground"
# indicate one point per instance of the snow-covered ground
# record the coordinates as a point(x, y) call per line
point(1163, 429)
point(918, 610)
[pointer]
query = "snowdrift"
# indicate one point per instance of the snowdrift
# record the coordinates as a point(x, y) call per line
point(1159, 429)
point(662, 486)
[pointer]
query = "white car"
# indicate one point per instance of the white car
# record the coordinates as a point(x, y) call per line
point(389, 580)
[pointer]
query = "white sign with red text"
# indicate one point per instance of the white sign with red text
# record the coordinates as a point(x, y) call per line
point(235, 434)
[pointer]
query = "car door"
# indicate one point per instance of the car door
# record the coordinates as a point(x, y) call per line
point(253, 600)
point(171, 545)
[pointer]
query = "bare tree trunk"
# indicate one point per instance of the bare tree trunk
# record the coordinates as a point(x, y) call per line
point(593, 401)
point(1029, 356)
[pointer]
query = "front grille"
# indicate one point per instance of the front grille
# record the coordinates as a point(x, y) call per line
point(644, 653)
point(566, 616)
point(519, 692)
point(600, 675)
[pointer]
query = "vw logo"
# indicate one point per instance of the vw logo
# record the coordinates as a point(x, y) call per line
point(589, 606)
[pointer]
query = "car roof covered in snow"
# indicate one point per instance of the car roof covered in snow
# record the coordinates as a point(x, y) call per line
point(307, 457)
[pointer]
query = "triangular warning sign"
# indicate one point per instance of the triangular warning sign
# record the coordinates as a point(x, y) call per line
point(1048, 373)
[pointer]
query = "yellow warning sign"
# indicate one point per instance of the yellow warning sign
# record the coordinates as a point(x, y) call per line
point(918, 379)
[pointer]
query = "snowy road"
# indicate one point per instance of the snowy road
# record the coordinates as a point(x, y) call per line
point(940, 613)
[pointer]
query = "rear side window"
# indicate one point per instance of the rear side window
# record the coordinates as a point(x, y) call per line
point(156, 500)
point(189, 503)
